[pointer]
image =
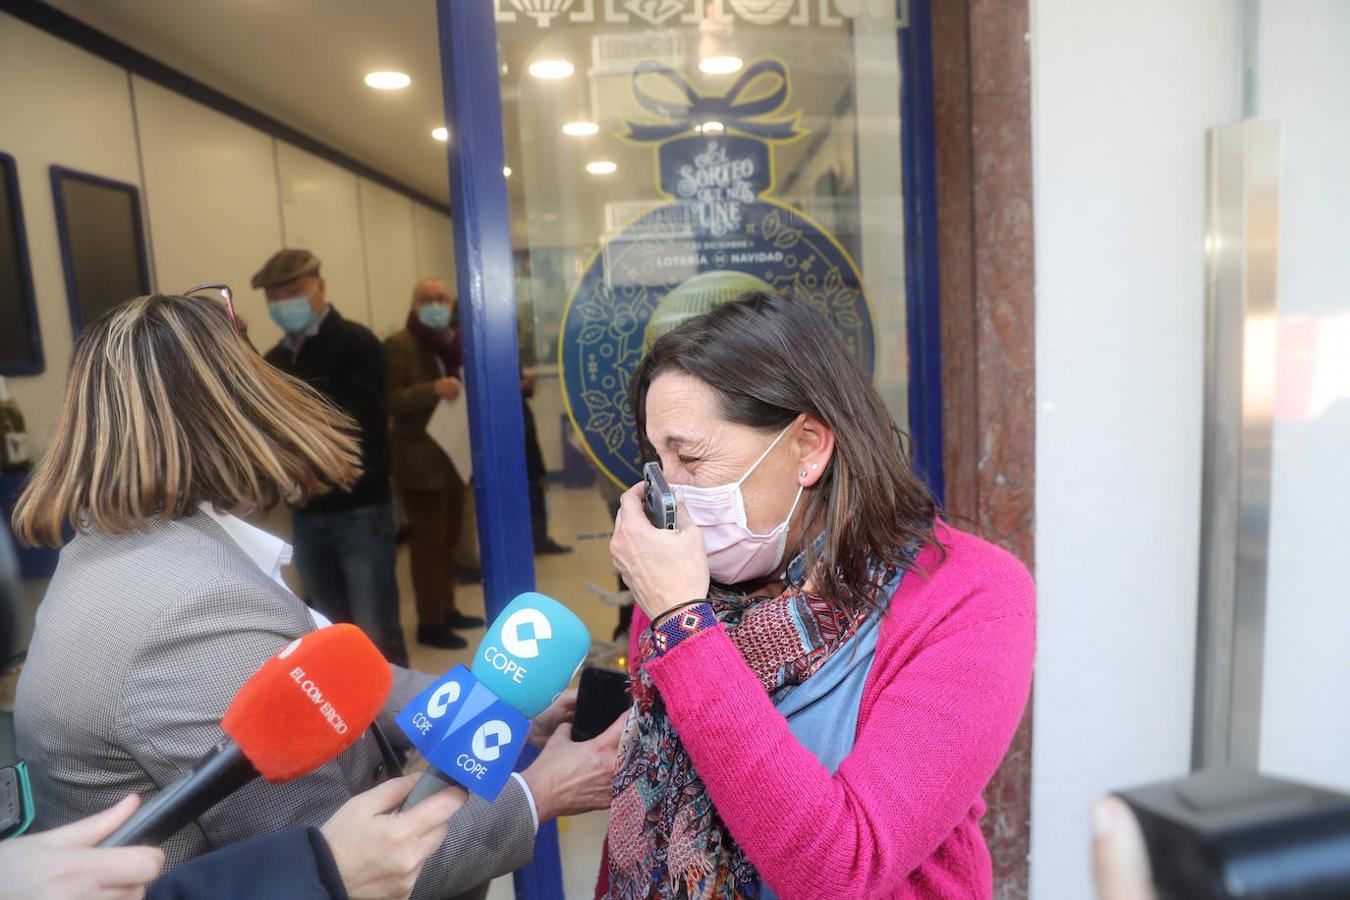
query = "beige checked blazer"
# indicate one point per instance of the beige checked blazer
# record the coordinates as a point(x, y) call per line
point(141, 643)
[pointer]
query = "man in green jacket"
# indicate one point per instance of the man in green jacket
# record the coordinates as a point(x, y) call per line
point(424, 369)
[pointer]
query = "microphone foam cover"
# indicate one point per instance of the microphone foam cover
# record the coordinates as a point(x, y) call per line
point(530, 652)
point(309, 702)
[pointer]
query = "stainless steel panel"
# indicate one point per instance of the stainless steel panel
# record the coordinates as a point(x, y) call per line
point(1241, 245)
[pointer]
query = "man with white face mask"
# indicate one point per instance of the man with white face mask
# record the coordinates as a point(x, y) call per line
point(344, 541)
point(424, 369)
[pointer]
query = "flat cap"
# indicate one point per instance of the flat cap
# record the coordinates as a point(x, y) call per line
point(286, 265)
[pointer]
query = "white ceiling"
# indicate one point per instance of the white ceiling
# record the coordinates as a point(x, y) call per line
point(303, 61)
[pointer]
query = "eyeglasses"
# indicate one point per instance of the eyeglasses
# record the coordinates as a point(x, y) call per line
point(219, 293)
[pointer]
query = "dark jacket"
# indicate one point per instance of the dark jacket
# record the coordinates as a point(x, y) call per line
point(419, 464)
point(294, 864)
point(345, 363)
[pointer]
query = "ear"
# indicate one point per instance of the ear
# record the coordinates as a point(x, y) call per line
point(814, 446)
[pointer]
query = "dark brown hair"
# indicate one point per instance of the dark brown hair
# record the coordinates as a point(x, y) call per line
point(770, 359)
point(166, 408)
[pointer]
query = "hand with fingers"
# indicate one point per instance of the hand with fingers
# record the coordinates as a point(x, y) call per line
point(571, 777)
point(560, 711)
point(664, 568)
point(1120, 863)
point(67, 863)
point(379, 850)
point(448, 387)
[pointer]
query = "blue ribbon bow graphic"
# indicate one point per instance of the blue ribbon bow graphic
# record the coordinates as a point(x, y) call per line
point(729, 108)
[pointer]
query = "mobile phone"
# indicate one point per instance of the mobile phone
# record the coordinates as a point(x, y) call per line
point(660, 498)
point(601, 698)
point(1224, 834)
point(16, 800)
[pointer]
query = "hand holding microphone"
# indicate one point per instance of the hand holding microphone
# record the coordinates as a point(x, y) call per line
point(472, 726)
point(379, 852)
point(305, 706)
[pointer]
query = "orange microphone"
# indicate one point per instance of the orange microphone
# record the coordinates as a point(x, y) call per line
point(304, 707)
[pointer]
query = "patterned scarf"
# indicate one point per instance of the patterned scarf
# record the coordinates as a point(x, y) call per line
point(445, 344)
point(665, 838)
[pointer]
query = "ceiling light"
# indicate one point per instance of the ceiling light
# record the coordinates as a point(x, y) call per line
point(601, 167)
point(720, 65)
point(712, 128)
point(388, 81)
point(580, 129)
point(506, 171)
point(551, 68)
point(441, 134)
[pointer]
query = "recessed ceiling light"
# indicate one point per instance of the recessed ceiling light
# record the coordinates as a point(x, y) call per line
point(601, 167)
point(441, 134)
point(551, 68)
point(581, 129)
point(388, 81)
point(720, 65)
point(712, 128)
point(506, 171)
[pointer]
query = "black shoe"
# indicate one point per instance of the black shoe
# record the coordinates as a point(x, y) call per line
point(440, 636)
point(460, 621)
point(549, 547)
point(467, 575)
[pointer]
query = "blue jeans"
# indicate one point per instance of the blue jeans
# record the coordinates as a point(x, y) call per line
point(346, 560)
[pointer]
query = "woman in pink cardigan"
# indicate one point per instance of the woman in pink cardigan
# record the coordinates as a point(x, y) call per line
point(826, 676)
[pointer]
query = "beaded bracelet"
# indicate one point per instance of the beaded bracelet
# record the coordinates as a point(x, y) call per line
point(682, 622)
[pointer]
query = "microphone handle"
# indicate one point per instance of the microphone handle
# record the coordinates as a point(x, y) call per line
point(432, 780)
point(217, 775)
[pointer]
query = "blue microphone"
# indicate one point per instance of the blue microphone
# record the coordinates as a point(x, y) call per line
point(471, 725)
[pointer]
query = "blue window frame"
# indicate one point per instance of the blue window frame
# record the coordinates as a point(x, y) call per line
point(485, 279)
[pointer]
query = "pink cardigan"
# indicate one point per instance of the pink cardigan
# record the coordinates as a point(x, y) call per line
point(901, 816)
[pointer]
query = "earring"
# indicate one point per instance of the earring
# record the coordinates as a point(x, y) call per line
point(815, 466)
point(801, 474)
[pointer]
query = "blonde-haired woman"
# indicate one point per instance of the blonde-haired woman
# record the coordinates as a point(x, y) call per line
point(165, 602)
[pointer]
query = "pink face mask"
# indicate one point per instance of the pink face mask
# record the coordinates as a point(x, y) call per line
point(735, 553)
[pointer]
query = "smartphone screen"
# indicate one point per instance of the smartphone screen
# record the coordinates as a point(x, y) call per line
point(601, 698)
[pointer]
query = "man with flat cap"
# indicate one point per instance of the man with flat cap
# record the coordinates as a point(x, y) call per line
point(344, 540)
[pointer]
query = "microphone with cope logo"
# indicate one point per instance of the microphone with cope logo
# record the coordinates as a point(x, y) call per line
point(471, 725)
point(304, 707)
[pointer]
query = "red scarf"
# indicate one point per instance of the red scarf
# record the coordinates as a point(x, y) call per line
point(445, 344)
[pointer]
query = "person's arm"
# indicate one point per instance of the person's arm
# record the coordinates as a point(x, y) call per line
point(67, 864)
point(187, 670)
point(185, 673)
point(364, 376)
point(293, 863)
point(407, 396)
point(937, 731)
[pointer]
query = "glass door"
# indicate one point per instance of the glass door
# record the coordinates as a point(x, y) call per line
point(656, 158)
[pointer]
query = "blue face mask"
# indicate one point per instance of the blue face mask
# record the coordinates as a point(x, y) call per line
point(293, 314)
point(435, 316)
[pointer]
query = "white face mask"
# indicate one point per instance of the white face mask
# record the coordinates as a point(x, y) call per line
point(735, 553)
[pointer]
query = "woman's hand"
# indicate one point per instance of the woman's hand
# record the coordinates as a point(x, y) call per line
point(663, 568)
point(380, 852)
